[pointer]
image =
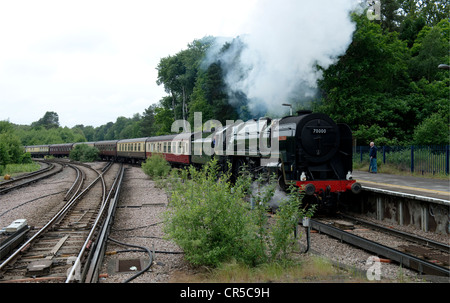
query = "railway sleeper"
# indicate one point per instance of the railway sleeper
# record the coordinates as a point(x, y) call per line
point(43, 267)
point(39, 268)
point(426, 254)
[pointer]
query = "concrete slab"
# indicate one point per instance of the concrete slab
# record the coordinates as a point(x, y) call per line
point(434, 189)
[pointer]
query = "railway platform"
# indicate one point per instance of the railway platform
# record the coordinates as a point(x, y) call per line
point(425, 189)
point(406, 200)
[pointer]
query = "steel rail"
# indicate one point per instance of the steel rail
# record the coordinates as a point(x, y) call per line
point(75, 271)
point(421, 240)
point(79, 175)
point(32, 174)
point(41, 175)
point(91, 275)
point(407, 260)
point(55, 218)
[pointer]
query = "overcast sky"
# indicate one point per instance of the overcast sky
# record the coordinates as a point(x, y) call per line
point(93, 61)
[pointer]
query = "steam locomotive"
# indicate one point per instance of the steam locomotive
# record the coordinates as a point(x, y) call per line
point(309, 150)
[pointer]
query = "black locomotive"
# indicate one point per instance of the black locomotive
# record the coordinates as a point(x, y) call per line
point(309, 150)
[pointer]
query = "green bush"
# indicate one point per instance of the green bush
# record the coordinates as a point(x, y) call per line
point(214, 221)
point(84, 153)
point(156, 166)
point(286, 219)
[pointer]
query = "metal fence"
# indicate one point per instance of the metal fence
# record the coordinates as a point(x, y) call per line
point(424, 159)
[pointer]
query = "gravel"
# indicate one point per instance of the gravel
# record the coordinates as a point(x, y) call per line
point(138, 221)
point(33, 202)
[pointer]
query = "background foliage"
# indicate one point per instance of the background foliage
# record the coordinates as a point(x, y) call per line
point(84, 153)
point(386, 86)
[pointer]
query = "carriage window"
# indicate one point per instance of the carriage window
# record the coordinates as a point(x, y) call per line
point(169, 147)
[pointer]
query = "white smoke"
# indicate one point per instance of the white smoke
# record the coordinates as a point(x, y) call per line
point(275, 60)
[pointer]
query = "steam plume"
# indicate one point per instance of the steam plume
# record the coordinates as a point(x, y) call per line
point(274, 62)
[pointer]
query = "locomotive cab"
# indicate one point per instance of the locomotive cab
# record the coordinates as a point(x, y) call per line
point(316, 154)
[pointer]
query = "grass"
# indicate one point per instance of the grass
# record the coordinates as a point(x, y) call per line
point(14, 169)
point(306, 268)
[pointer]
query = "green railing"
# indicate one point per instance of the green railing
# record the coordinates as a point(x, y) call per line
point(424, 159)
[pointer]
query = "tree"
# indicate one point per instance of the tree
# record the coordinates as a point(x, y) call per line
point(49, 120)
point(87, 131)
point(163, 120)
point(429, 50)
point(362, 87)
point(386, 84)
point(179, 73)
point(11, 150)
point(434, 130)
point(147, 125)
point(390, 18)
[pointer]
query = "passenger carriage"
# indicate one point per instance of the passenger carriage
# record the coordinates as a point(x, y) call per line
point(174, 148)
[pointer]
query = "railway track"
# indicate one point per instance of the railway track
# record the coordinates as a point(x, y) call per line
point(62, 249)
point(422, 255)
point(49, 170)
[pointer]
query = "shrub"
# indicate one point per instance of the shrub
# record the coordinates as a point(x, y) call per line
point(207, 219)
point(156, 166)
point(84, 153)
point(286, 220)
point(26, 158)
point(212, 220)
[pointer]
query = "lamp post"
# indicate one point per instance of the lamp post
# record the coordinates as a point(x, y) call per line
point(444, 66)
point(290, 107)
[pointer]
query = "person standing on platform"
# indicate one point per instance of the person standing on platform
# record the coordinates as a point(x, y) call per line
point(373, 158)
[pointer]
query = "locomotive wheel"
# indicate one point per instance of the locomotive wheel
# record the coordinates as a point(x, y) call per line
point(281, 182)
point(237, 168)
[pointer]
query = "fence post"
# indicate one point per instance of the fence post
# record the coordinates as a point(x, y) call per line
point(360, 154)
point(412, 158)
point(384, 154)
point(446, 159)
